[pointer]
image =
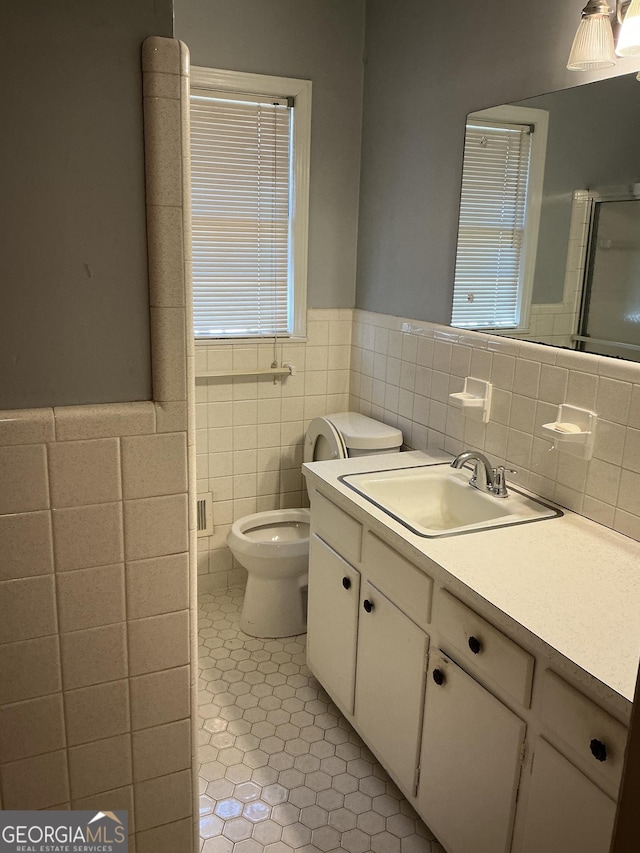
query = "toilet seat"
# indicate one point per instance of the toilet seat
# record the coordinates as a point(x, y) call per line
point(323, 441)
point(282, 531)
point(274, 534)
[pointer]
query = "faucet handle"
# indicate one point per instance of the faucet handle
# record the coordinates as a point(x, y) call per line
point(500, 480)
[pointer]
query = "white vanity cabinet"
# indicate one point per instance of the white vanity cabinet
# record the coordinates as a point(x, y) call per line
point(473, 744)
point(332, 621)
point(496, 751)
point(351, 619)
point(475, 643)
point(576, 760)
point(565, 810)
point(470, 764)
point(392, 661)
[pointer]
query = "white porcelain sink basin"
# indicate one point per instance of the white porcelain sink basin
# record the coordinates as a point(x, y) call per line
point(437, 500)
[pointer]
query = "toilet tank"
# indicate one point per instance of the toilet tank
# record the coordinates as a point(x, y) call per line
point(365, 437)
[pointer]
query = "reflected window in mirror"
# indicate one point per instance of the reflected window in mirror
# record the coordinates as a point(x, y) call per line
point(499, 216)
point(593, 132)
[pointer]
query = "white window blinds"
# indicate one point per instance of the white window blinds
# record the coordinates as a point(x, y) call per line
point(240, 186)
point(489, 260)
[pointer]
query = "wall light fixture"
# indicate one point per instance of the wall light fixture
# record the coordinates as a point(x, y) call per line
point(593, 46)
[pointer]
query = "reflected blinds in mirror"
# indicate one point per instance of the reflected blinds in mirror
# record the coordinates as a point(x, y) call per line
point(488, 277)
point(240, 185)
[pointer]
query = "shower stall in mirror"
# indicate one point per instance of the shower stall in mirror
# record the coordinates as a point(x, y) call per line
point(610, 311)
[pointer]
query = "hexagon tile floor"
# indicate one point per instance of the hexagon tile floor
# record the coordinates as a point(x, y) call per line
point(280, 769)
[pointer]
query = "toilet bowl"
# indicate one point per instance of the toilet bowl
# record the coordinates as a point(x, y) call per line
point(273, 546)
point(274, 549)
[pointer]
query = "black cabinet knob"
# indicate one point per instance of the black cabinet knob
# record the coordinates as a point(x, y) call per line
point(346, 583)
point(475, 645)
point(368, 605)
point(438, 677)
point(598, 750)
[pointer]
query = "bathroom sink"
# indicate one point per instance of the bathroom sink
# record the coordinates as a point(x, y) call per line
point(437, 500)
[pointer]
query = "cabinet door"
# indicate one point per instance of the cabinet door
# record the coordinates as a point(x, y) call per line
point(332, 622)
point(470, 762)
point(566, 812)
point(390, 684)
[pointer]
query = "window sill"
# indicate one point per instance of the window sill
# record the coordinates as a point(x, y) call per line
point(260, 341)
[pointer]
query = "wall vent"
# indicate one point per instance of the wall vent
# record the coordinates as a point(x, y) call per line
point(204, 509)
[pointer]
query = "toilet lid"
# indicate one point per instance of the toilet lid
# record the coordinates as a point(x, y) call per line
point(323, 441)
point(362, 433)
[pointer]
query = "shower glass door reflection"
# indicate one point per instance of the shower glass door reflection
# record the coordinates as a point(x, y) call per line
point(611, 306)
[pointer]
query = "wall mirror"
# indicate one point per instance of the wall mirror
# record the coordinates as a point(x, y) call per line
point(549, 230)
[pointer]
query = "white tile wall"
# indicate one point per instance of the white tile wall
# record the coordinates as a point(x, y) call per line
point(250, 430)
point(404, 378)
point(83, 618)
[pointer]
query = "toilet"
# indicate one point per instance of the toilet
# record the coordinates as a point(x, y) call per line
point(273, 546)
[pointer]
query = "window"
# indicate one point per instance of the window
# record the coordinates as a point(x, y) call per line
point(250, 142)
point(499, 217)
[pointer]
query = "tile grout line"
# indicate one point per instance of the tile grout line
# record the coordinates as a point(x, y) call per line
point(59, 632)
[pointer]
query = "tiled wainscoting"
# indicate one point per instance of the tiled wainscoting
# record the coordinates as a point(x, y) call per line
point(95, 596)
point(402, 372)
point(250, 430)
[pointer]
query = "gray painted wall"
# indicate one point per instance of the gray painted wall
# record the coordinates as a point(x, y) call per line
point(74, 296)
point(74, 302)
point(593, 142)
point(427, 66)
point(321, 41)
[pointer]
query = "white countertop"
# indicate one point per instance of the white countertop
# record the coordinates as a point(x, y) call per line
point(568, 581)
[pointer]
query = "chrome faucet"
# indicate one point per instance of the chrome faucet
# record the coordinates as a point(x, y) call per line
point(485, 477)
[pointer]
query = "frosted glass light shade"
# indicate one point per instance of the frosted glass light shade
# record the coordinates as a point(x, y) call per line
point(593, 44)
point(629, 35)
